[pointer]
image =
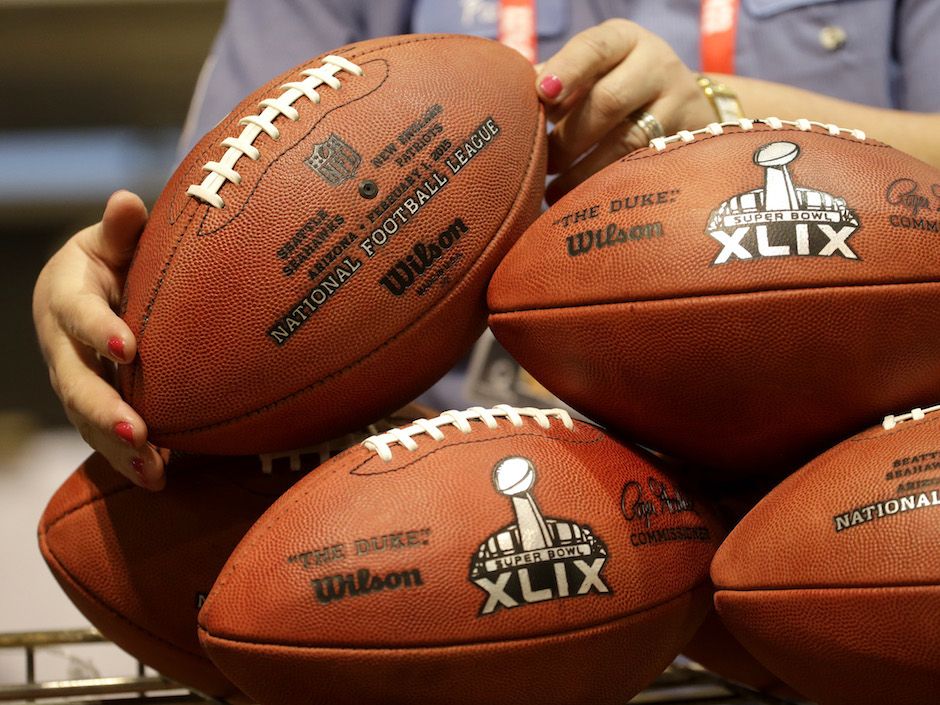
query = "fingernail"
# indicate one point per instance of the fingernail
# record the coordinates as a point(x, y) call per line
point(116, 346)
point(550, 86)
point(138, 465)
point(125, 432)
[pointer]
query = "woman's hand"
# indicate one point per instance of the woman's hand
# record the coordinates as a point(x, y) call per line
point(81, 337)
point(596, 82)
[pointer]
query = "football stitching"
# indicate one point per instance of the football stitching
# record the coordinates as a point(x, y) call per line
point(440, 448)
point(106, 607)
point(274, 518)
point(257, 184)
point(696, 297)
point(648, 152)
point(328, 378)
point(825, 588)
point(148, 309)
point(880, 432)
point(164, 272)
point(135, 366)
point(44, 532)
point(382, 443)
point(612, 621)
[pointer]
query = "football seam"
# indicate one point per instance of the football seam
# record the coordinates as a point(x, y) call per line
point(723, 295)
point(232, 119)
point(108, 608)
point(148, 309)
point(145, 318)
point(825, 588)
point(440, 448)
point(389, 341)
point(244, 546)
point(126, 488)
point(648, 153)
point(482, 642)
point(43, 533)
point(45, 528)
point(316, 123)
point(199, 232)
point(80, 585)
point(880, 431)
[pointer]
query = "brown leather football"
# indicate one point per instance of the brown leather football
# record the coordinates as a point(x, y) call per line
point(832, 581)
point(321, 256)
point(138, 564)
point(714, 648)
point(742, 297)
point(478, 557)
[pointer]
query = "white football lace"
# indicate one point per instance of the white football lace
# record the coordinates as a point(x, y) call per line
point(242, 146)
point(717, 128)
point(913, 415)
point(382, 443)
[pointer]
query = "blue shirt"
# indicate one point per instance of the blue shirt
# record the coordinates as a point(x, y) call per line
point(890, 56)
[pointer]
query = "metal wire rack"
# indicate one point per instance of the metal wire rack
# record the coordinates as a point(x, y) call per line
point(683, 683)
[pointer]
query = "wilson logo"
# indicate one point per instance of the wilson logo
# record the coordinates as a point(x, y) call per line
point(362, 582)
point(587, 240)
point(403, 274)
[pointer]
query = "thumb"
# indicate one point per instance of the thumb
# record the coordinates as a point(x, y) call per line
point(115, 240)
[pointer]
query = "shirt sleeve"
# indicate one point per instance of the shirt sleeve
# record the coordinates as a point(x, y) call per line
point(918, 55)
point(258, 40)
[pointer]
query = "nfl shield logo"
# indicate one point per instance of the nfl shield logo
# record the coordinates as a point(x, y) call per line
point(334, 160)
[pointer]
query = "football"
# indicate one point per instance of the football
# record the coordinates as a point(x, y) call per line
point(321, 257)
point(832, 581)
point(714, 648)
point(139, 564)
point(743, 296)
point(478, 557)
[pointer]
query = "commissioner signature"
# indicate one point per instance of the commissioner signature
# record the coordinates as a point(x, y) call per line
point(906, 192)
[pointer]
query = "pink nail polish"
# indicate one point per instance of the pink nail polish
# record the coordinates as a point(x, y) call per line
point(116, 346)
point(138, 465)
point(550, 86)
point(124, 431)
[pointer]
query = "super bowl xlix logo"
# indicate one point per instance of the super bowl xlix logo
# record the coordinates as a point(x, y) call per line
point(537, 558)
point(780, 219)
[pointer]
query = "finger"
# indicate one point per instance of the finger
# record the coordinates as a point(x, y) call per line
point(555, 113)
point(86, 277)
point(88, 318)
point(632, 83)
point(115, 238)
point(106, 422)
point(585, 56)
point(623, 139)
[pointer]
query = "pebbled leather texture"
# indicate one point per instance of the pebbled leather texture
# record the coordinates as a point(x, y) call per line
point(272, 624)
point(848, 615)
point(230, 355)
point(741, 362)
point(137, 564)
point(716, 649)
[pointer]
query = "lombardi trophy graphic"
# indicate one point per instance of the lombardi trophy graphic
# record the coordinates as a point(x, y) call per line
point(782, 219)
point(779, 194)
point(538, 558)
point(514, 477)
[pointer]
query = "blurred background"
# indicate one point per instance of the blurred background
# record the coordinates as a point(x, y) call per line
point(95, 93)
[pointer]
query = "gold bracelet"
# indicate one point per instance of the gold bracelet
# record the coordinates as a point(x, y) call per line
point(723, 99)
